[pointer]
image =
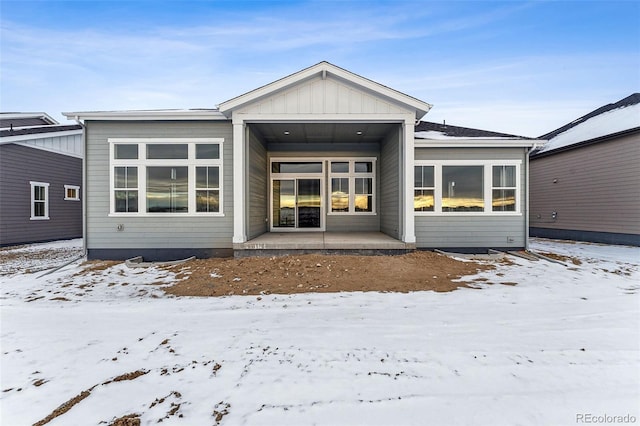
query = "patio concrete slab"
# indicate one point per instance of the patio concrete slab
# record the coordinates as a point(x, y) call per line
point(324, 241)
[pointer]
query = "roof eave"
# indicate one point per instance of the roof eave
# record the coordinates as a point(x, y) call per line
point(606, 138)
point(166, 115)
point(478, 143)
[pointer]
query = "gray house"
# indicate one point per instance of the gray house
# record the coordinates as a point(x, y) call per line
point(585, 182)
point(322, 159)
point(40, 179)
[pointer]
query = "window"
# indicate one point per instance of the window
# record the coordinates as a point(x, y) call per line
point(352, 186)
point(462, 189)
point(72, 192)
point(450, 187)
point(423, 194)
point(126, 189)
point(39, 201)
point(166, 176)
point(207, 189)
point(503, 194)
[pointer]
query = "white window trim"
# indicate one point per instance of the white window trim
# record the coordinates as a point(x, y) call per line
point(76, 188)
point(46, 200)
point(352, 175)
point(487, 186)
point(142, 163)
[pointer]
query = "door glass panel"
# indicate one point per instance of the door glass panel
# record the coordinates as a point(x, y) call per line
point(308, 203)
point(284, 203)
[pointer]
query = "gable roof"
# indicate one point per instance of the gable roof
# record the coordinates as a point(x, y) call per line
point(323, 69)
point(600, 124)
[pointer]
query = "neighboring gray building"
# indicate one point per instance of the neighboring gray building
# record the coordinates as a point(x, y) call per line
point(319, 152)
point(585, 182)
point(40, 179)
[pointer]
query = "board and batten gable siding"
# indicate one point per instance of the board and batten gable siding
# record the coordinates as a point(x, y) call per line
point(390, 184)
point(475, 231)
point(594, 188)
point(19, 165)
point(323, 96)
point(338, 222)
point(148, 232)
point(258, 200)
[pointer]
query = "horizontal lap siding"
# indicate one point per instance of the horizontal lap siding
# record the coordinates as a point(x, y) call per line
point(153, 232)
point(258, 188)
point(473, 231)
point(390, 185)
point(19, 165)
point(597, 188)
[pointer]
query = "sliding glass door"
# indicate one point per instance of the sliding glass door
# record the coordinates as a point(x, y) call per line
point(297, 203)
point(296, 196)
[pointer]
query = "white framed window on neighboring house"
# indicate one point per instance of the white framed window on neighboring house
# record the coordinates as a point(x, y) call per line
point(352, 186)
point(166, 176)
point(72, 193)
point(39, 201)
point(459, 188)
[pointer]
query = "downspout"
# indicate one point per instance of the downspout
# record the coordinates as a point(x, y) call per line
point(526, 196)
point(84, 186)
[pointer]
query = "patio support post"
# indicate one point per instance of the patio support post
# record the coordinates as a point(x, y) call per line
point(408, 154)
point(239, 193)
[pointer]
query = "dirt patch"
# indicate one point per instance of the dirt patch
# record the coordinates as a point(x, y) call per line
point(68, 405)
point(565, 259)
point(128, 376)
point(64, 407)
point(96, 266)
point(311, 273)
point(128, 420)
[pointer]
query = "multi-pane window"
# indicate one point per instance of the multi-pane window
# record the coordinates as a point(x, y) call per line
point(125, 189)
point(471, 187)
point(39, 201)
point(72, 192)
point(423, 194)
point(166, 176)
point(503, 191)
point(352, 186)
point(207, 189)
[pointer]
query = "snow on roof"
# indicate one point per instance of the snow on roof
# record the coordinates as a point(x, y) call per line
point(438, 131)
point(607, 120)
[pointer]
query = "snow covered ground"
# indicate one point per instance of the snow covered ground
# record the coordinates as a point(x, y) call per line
point(562, 343)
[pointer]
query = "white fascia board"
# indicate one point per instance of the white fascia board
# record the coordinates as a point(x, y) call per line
point(478, 143)
point(15, 115)
point(164, 115)
point(322, 69)
point(32, 136)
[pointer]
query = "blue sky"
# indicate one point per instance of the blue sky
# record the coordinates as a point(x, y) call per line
point(517, 67)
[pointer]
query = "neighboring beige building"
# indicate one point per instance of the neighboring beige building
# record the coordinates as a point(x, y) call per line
point(585, 182)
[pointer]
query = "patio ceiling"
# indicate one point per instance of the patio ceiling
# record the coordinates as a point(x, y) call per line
point(323, 132)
